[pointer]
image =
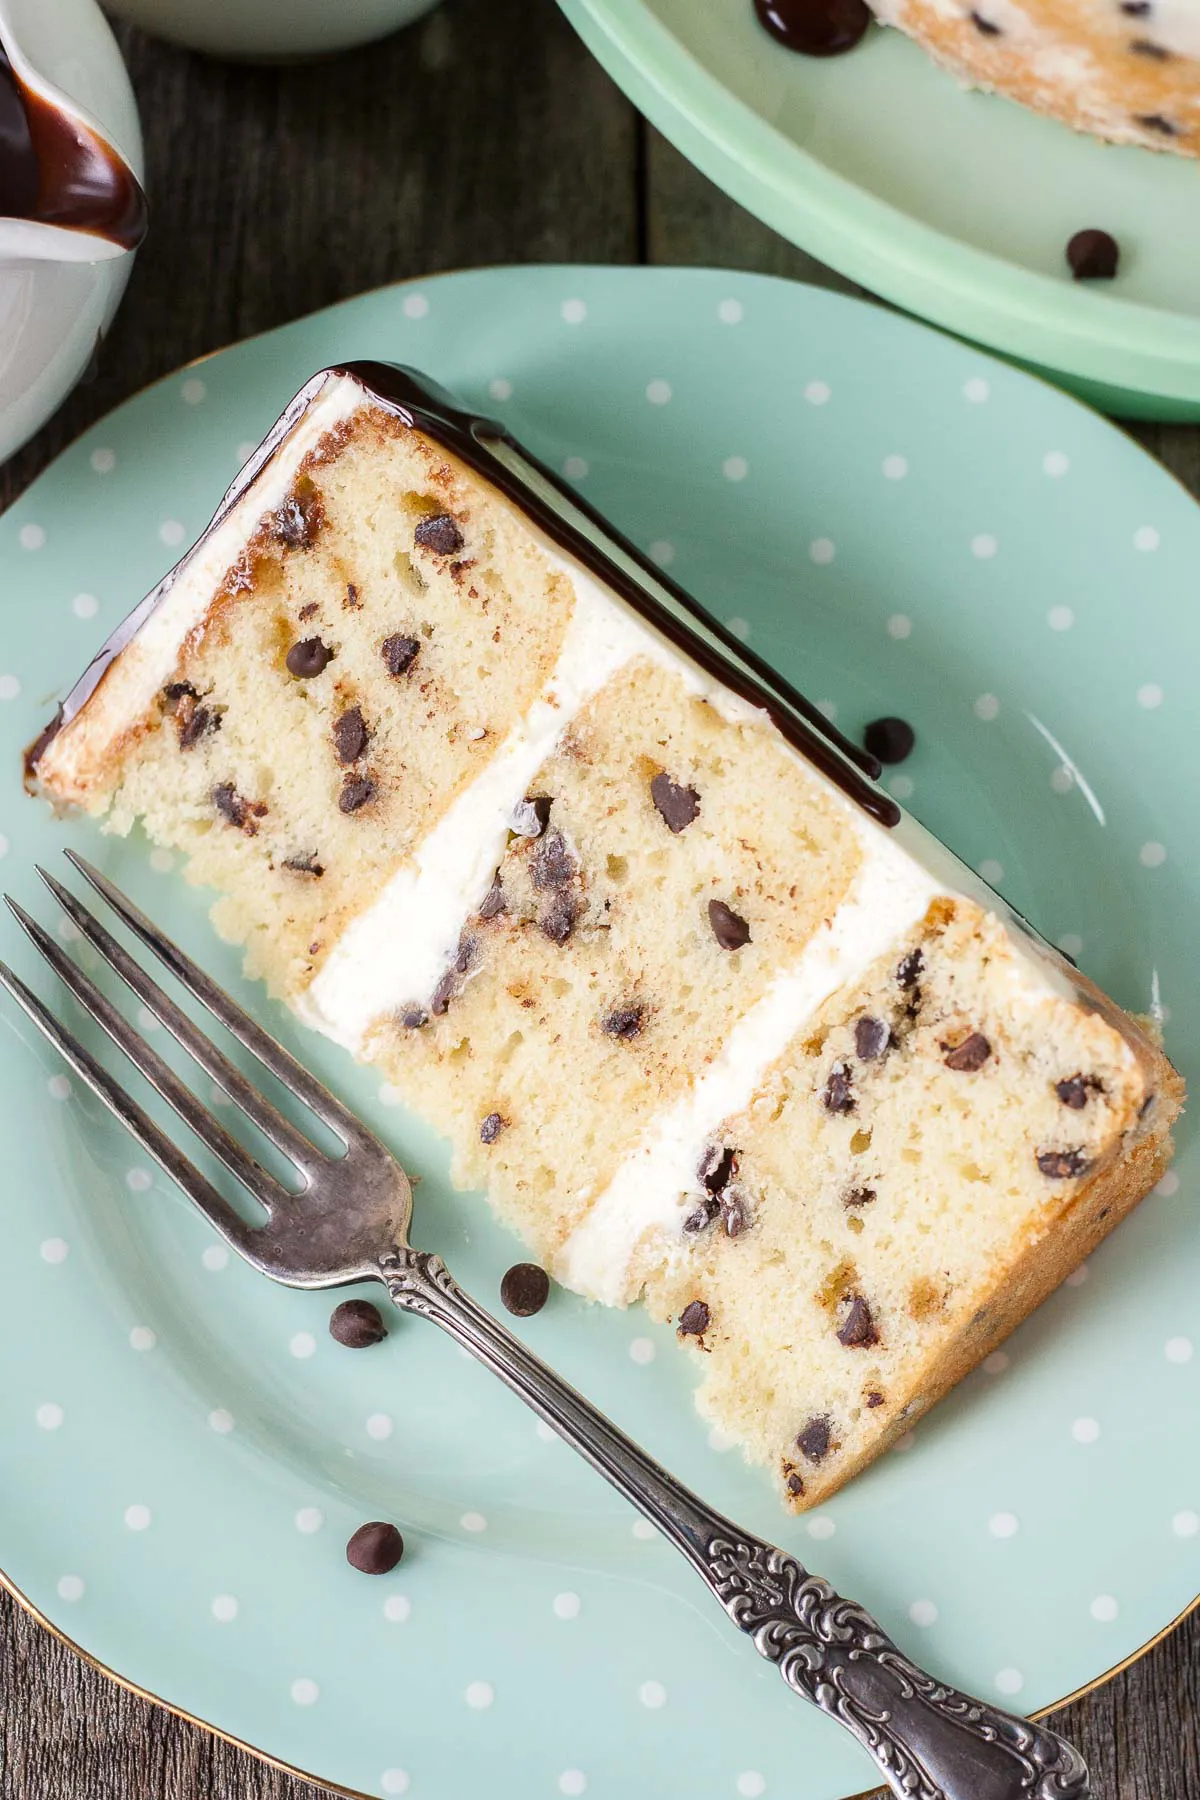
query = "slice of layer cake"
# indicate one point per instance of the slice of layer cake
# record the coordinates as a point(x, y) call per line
point(715, 1025)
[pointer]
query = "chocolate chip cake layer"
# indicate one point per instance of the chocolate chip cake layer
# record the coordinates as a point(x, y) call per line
point(714, 1023)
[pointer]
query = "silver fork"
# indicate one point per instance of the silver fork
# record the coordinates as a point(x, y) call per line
point(349, 1223)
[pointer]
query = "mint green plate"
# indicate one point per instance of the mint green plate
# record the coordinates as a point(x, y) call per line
point(903, 525)
point(953, 204)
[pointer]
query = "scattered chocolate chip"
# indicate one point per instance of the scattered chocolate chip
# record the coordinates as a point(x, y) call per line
point(1093, 255)
point(531, 816)
point(858, 1196)
point(871, 1038)
point(491, 1128)
point(701, 1218)
point(1074, 1091)
point(350, 735)
point(399, 653)
point(239, 811)
point(969, 1056)
point(308, 658)
point(677, 805)
point(909, 969)
point(493, 902)
point(875, 1398)
point(304, 863)
point(553, 864)
point(716, 1167)
point(815, 27)
point(1146, 1105)
point(357, 791)
point(440, 533)
point(1061, 1165)
point(624, 1021)
point(525, 1289)
point(729, 928)
point(814, 1441)
point(735, 1211)
point(357, 1324)
point(795, 1485)
point(838, 1094)
point(351, 598)
point(858, 1330)
point(1136, 9)
point(375, 1549)
point(297, 522)
point(986, 27)
point(177, 690)
point(307, 612)
point(890, 739)
point(557, 918)
point(695, 1319)
point(1156, 122)
point(195, 721)
point(442, 995)
point(1147, 47)
point(1067, 957)
point(413, 1017)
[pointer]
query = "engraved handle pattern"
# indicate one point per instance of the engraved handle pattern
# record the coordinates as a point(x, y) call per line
point(928, 1740)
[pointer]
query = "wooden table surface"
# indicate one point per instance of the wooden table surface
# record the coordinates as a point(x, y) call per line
point(484, 135)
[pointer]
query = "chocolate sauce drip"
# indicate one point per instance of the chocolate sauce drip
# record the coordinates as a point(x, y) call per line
point(474, 439)
point(815, 27)
point(54, 171)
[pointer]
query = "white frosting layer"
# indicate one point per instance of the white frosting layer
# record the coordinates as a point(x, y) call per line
point(656, 1183)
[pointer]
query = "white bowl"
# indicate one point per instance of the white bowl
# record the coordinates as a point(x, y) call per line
point(271, 30)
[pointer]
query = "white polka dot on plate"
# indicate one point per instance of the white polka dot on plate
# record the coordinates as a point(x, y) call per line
point(572, 1781)
point(1004, 1525)
point(991, 870)
point(10, 687)
point(1152, 855)
point(566, 1606)
point(1168, 1185)
point(1060, 618)
point(735, 468)
point(730, 312)
point(302, 1345)
point(658, 392)
point(652, 1694)
point(976, 390)
point(473, 1521)
point(54, 1250)
point(984, 546)
point(642, 1350)
point(996, 1363)
point(31, 537)
point(895, 468)
point(822, 550)
point(224, 1609)
point(479, 1694)
point(390, 1094)
point(305, 1692)
point(1104, 1609)
point(546, 1432)
point(193, 391)
point(1150, 695)
point(394, 1781)
point(309, 1519)
point(923, 1612)
point(1085, 1430)
point(827, 709)
point(739, 627)
point(750, 1784)
point(215, 1258)
point(643, 1530)
point(397, 1609)
point(901, 786)
point(246, 449)
point(986, 707)
point(1009, 1681)
point(85, 606)
point(820, 1527)
point(1071, 944)
point(574, 312)
point(3, 844)
point(817, 393)
point(141, 1338)
point(1178, 1350)
point(899, 626)
point(137, 1517)
point(171, 532)
point(720, 1440)
point(221, 1420)
point(904, 1444)
point(1146, 538)
point(138, 1181)
point(60, 1087)
point(162, 862)
point(1186, 1524)
point(379, 1427)
point(662, 552)
point(68, 931)
point(103, 460)
point(500, 388)
point(70, 1587)
point(1055, 462)
point(1062, 779)
point(414, 306)
point(49, 1415)
point(575, 468)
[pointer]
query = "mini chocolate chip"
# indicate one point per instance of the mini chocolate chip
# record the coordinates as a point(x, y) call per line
point(413, 1017)
point(729, 928)
point(176, 690)
point(304, 863)
point(890, 739)
point(307, 612)
point(858, 1331)
point(716, 1167)
point(357, 790)
point(625, 1021)
point(557, 918)
point(695, 1319)
point(195, 722)
point(1147, 47)
point(525, 1289)
point(1061, 1165)
point(1093, 255)
point(239, 811)
point(491, 1128)
point(493, 902)
point(442, 995)
point(1156, 122)
point(701, 1218)
point(838, 1094)
point(735, 1211)
point(1136, 9)
point(909, 969)
point(969, 1056)
point(795, 1486)
point(1073, 1092)
point(814, 1441)
point(858, 1196)
point(375, 1549)
point(467, 947)
point(553, 864)
point(299, 519)
point(1147, 1103)
point(350, 735)
point(440, 533)
point(308, 658)
point(677, 805)
point(875, 1398)
point(871, 1038)
point(357, 1324)
point(986, 27)
point(399, 653)
point(351, 598)
point(531, 816)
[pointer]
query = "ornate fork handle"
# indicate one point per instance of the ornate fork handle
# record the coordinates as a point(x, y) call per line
point(929, 1741)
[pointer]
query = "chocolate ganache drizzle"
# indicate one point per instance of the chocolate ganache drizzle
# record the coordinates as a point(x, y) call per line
point(573, 524)
point(54, 170)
